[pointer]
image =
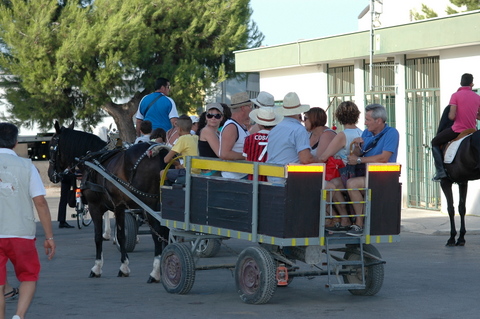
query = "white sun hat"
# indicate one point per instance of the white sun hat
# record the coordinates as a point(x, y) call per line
point(266, 116)
point(292, 106)
point(264, 99)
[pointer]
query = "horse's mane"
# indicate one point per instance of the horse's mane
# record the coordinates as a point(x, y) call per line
point(77, 143)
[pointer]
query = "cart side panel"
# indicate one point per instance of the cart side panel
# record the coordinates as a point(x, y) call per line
point(272, 215)
point(386, 203)
point(291, 211)
point(173, 203)
point(229, 204)
point(303, 204)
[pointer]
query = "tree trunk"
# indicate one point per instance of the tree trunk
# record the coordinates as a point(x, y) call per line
point(123, 116)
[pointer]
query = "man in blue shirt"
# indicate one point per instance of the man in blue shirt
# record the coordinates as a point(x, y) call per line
point(158, 108)
point(378, 144)
point(288, 141)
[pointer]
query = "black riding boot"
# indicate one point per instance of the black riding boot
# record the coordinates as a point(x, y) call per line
point(438, 160)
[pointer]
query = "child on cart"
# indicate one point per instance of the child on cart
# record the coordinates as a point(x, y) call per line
point(255, 147)
point(186, 145)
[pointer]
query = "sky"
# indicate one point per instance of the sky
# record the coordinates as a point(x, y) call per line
point(283, 21)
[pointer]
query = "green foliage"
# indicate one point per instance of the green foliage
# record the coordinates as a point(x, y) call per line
point(470, 4)
point(429, 13)
point(74, 58)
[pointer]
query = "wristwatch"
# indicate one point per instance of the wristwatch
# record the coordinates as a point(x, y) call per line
point(359, 160)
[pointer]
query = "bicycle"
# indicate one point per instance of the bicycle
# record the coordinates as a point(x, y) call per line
point(81, 208)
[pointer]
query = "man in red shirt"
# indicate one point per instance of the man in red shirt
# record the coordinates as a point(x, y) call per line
point(464, 111)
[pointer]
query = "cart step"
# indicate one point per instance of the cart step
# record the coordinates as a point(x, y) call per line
point(333, 287)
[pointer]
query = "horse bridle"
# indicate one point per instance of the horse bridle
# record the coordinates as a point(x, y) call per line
point(56, 176)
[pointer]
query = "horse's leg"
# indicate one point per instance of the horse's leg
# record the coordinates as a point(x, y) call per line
point(446, 185)
point(120, 231)
point(463, 188)
point(96, 214)
point(160, 240)
point(107, 232)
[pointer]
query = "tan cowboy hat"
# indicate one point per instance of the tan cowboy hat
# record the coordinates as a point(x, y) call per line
point(264, 99)
point(240, 99)
point(292, 106)
point(266, 116)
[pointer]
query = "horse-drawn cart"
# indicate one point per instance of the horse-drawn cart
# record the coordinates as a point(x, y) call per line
point(287, 220)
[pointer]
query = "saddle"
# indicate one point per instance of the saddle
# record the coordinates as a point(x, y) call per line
point(451, 147)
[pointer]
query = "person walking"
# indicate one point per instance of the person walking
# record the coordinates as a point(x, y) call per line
point(20, 184)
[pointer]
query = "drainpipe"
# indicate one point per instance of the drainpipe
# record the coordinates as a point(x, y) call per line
point(372, 18)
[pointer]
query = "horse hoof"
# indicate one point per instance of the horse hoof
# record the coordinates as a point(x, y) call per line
point(460, 243)
point(152, 280)
point(121, 274)
point(450, 243)
point(106, 239)
point(94, 275)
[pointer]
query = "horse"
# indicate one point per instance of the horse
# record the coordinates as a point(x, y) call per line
point(134, 167)
point(465, 167)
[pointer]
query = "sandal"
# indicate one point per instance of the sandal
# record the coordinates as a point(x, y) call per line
point(11, 295)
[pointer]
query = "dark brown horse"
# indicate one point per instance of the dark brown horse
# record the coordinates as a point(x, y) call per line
point(134, 168)
point(465, 167)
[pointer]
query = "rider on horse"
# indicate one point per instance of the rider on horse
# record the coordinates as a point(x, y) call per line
point(464, 110)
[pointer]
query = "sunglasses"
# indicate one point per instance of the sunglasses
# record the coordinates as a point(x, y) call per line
point(217, 116)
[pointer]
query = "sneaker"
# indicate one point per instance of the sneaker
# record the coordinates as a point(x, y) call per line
point(16, 317)
point(337, 228)
point(355, 230)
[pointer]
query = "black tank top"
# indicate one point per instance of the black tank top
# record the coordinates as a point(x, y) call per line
point(205, 150)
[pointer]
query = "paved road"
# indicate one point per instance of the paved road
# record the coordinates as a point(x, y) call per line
point(423, 279)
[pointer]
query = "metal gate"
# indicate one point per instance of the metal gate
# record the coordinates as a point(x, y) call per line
point(422, 117)
point(383, 88)
point(341, 87)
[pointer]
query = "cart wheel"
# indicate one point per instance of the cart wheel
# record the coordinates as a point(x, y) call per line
point(79, 212)
point(255, 275)
point(86, 218)
point(131, 232)
point(177, 269)
point(207, 247)
point(373, 274)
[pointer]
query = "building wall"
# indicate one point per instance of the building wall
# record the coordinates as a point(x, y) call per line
point(310, 83)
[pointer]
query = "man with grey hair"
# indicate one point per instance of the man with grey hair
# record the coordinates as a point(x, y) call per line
point(378, 144)
point(20, 183)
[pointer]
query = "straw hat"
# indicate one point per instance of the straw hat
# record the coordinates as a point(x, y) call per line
point(240, 99)
point(292, 106)
point(266, 116)
point(264, 99)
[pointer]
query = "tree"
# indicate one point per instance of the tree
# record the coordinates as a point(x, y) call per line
point(76, 58)
point(429, 13)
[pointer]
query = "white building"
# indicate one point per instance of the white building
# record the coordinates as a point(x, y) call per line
point(416, 67)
